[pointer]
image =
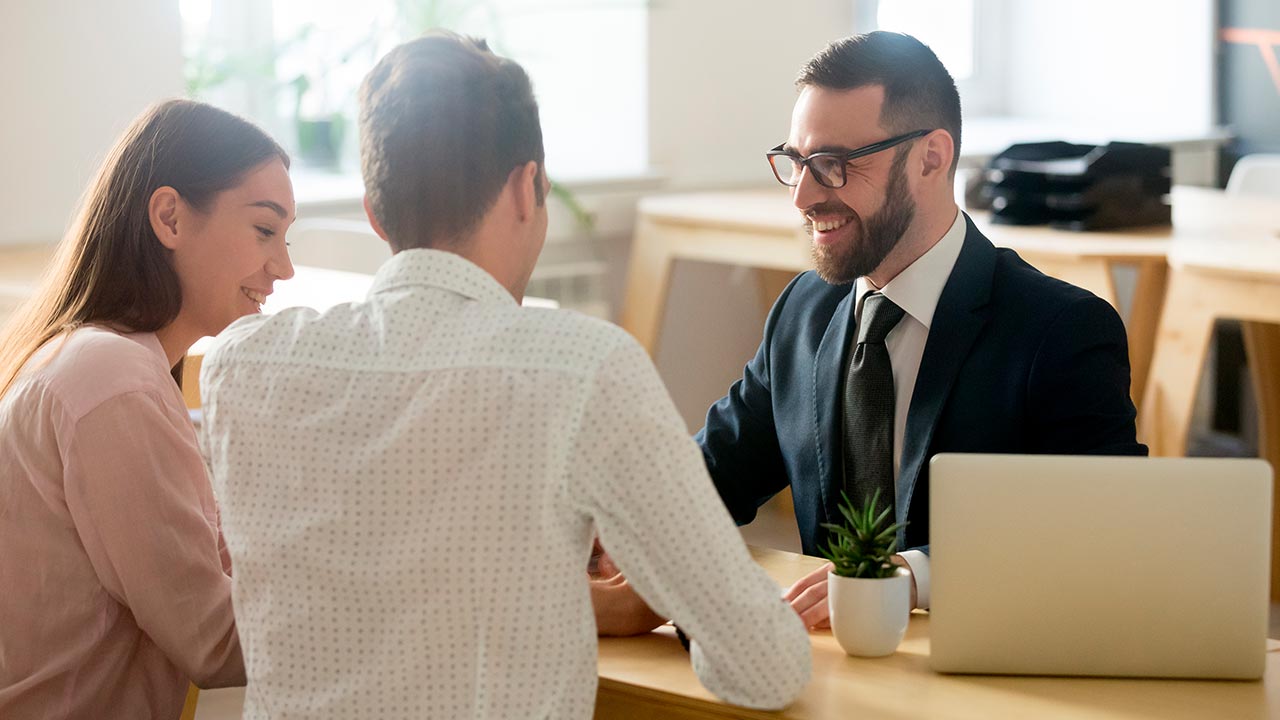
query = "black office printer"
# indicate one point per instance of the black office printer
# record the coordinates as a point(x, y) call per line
point(1079, 187)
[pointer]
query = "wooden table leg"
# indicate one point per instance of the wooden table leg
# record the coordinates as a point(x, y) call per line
point(1142, 323)
point(1182, 342)
point(1262, 348)
point(648, 281)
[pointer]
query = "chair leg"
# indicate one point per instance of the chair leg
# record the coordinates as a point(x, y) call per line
point(189, 707)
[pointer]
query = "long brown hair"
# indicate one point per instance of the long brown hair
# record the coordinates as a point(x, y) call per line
point(111, 268)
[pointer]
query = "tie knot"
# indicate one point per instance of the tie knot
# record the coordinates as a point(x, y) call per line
point(879, 316)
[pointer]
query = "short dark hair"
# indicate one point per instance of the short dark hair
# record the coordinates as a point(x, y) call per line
point(919, 93)
point(443, 121)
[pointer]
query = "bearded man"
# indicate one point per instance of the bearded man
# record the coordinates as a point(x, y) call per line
point(914, 335)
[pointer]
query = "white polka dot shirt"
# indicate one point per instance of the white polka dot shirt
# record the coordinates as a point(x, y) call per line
point(410, 486)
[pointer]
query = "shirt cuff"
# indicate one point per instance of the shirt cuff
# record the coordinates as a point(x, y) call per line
point(919, 564)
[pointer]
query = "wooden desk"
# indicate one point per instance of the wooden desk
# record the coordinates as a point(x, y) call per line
point(1238, 281)
point(650, 677)
point(762, 230)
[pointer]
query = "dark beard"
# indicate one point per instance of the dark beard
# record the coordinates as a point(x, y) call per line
point(878, 236)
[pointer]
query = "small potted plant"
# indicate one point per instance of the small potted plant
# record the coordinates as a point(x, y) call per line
point(869, 597)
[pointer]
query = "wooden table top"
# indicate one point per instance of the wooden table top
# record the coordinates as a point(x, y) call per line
point(903, 686)
point(1199, 214)
point(1256, 257)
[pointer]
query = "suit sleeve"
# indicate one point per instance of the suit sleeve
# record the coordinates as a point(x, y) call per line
point(1078, 392)
point(739, 440)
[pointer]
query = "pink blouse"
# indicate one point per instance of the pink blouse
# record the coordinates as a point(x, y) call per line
point(115, 585)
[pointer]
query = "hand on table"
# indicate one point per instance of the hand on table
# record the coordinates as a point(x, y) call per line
point(808, 595)
point(619, 609)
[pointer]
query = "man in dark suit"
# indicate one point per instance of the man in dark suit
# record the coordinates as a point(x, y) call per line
point(914, 335)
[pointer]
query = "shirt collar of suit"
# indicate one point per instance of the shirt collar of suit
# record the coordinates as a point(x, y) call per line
point(918, 288)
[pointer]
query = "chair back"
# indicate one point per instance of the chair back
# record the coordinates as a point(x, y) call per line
point(1257, 174)
point(349, 245)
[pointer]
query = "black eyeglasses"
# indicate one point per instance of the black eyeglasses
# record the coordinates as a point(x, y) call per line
point(828, 168)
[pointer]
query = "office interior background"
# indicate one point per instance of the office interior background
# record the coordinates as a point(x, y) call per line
point(640, 98)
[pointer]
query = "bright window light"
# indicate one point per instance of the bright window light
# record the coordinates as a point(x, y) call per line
point(587, 60)
point(946, 26)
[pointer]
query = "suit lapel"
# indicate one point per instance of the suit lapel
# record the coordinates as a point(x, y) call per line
point(959, 318)
point(827, 418)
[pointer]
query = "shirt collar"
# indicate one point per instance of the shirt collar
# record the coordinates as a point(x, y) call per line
point(437, 268)
point(918, 288)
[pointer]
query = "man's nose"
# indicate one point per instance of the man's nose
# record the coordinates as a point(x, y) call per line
point(808, 192)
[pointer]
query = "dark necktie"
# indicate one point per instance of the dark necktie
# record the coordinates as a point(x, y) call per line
point(869, 406)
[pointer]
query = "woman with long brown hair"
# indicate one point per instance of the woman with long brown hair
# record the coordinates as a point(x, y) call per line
point(117, 586)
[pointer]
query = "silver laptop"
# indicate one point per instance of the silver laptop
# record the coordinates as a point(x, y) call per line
point(1116, 566)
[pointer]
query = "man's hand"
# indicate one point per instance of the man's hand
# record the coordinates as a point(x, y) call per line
point(808, 595)
point(619, 610)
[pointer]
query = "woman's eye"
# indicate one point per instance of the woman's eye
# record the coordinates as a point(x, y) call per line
point(266, 231)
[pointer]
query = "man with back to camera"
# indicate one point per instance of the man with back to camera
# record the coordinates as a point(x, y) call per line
point(410, 485)
point(914, 335)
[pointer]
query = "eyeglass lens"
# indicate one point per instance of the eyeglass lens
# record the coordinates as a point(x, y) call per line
point(825, 168)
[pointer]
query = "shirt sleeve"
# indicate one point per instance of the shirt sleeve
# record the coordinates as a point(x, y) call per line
point(142, 504)
point(635, 470)
point(919, 564)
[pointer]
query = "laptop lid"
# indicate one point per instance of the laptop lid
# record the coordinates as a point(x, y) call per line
point(1116, 566)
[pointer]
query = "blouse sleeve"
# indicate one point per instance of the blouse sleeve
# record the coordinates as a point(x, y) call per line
point(142, 504)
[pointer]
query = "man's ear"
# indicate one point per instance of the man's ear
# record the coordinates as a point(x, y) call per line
point(162, 210)
point(939, 148)
point(525, 179)
point(373, 220)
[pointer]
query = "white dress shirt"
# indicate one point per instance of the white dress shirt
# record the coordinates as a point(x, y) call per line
point(410, 486)
point(916, 290)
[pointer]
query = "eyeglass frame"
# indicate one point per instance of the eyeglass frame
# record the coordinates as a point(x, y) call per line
point(863, 151)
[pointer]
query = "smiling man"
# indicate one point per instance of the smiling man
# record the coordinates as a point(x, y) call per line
point(914, 335)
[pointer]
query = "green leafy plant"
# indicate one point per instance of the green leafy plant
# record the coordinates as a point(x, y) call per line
point(863, 546)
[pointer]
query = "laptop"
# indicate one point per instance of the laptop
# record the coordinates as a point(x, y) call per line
point(1107, 566)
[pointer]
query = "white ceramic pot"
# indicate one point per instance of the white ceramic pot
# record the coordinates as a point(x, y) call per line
point(869, 615)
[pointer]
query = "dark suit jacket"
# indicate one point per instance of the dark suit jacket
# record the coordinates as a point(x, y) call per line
point(1015, 362)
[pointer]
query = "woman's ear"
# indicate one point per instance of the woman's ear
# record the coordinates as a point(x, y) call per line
point(163, 212)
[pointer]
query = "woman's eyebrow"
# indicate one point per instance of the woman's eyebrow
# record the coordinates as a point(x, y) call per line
point(270, 205)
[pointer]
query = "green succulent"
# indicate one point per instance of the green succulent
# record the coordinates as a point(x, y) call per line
point(863, 546)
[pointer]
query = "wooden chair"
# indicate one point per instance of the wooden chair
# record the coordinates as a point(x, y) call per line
point(189, 707)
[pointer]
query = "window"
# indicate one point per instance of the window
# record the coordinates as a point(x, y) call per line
point(946, 26)
point(961, 32)
point(294, 66)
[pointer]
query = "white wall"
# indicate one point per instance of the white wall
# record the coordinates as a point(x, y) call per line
point(74, 74)
point(1135, 64)
point(721, 82)
point(721, 87)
